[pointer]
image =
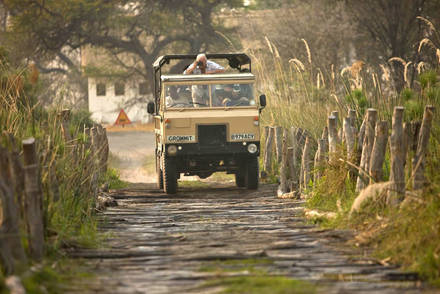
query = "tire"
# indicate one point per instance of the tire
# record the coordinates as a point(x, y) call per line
point(252, 171)
point(169, 175)
point(159, 174)
point(240, 177)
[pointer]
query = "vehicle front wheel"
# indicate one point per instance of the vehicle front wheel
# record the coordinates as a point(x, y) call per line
point(169, 175)
point(240, 177)
point(252, 171)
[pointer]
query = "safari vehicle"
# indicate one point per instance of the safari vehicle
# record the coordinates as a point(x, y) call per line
point(205, 123)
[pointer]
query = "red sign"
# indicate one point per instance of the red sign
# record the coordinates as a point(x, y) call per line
point(122, 118)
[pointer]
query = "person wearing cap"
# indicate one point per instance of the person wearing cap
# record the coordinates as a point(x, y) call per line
point(234, 96)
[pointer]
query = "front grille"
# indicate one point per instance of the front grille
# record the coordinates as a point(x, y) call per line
point(212, 136)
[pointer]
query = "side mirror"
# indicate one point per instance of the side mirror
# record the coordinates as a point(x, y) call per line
point(263, 101)
point(150, 107)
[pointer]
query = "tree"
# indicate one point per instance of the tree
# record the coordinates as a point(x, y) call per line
point(389, 28)
point(134, 33)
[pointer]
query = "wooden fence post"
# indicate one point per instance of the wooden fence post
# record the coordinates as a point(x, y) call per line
point(10, 216)
point(301, 138)
point(324, 136)
point(64, 115)
point(398, 150)
point(419, 160)
point(319, 161)
point(16, 171)
point(378, 151)
point(34, 199)
point(349, 137)
point(267, 164)
point(332, 137)
point(352, 116)
point(293, 161)
point(306, 165)
point(284, 187)
point(370, 124)
point(279, 142)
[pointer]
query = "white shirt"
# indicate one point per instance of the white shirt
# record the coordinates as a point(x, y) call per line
point(210, 66)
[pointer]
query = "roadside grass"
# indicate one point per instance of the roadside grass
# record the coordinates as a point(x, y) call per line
point(68, 206)
point(112, 178)
point(251, 276)
point(55, 276)
point(300, 95)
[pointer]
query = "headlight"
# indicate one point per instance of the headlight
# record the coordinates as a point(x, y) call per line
point(252, 148)
point(172, 150)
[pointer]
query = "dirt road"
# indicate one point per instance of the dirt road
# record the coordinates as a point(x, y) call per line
point(131, 149)
point(181, 244)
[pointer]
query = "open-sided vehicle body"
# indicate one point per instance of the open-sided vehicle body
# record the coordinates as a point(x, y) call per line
point(206, 123)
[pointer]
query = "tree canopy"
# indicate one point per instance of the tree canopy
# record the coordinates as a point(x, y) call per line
point(140, 29)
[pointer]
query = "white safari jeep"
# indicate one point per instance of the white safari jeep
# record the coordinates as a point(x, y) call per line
point(206, 123)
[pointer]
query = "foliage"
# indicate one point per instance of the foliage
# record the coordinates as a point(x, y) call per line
point(112, 178)
point(68, 206)
point(408, 235)
point(52, 276)
point(131, 34)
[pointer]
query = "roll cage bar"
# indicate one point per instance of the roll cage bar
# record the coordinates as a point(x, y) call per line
point(235, 60)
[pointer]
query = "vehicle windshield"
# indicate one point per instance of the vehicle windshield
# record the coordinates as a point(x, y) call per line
point(209, 95)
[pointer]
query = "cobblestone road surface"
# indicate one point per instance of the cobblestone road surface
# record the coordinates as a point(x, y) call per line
point(158, 243)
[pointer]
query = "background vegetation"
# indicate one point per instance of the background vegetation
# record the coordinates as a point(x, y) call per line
point(311, 57)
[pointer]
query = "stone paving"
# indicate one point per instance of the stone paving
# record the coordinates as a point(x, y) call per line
point(158, 243)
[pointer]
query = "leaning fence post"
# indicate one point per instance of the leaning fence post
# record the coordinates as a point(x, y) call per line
point(319, 161)
point(267, 164)
point(398, 156)
point(293, 161)
point(332, 137)
point(284, 169)
point(34, 199)
point(368, 140)
point(306, 165)
point(378, 151)
point(418, 174)
point(279, 142)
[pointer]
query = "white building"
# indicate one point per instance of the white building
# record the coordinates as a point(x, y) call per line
point(107, 97)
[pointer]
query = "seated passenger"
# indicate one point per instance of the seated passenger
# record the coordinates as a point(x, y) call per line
point(234, 96)
point(177, 97)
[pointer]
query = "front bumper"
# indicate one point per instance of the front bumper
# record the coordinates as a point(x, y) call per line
point(228, 148)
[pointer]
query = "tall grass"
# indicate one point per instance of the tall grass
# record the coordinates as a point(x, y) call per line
point(303, 94)
point(66, 173)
